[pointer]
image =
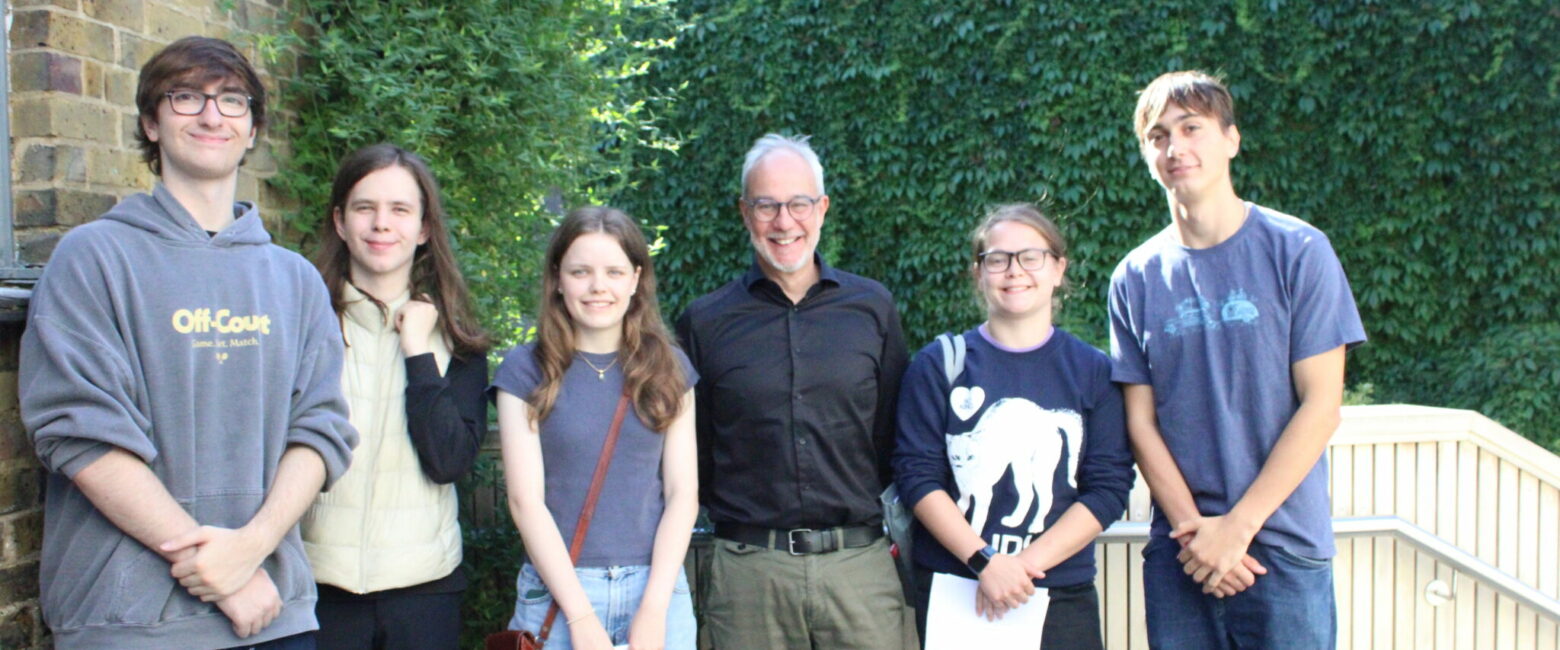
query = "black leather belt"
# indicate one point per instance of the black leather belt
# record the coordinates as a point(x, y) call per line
point(801, 541)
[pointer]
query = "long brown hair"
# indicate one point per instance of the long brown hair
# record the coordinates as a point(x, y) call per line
point(434, 271)
point(652, 378)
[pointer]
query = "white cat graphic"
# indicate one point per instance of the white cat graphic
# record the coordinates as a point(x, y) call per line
point(1017, 433)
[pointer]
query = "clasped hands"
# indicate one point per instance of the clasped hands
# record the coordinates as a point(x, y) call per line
point(222, 565)
point(1006, 584)
point(1213, 553)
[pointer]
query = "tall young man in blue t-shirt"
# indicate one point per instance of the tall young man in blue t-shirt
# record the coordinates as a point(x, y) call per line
point(1228, 331)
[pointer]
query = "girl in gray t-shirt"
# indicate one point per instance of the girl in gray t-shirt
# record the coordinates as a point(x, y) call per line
point(599, 335)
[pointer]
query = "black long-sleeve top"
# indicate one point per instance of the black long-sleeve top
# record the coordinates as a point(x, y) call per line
point(795, 402)
point(446, 415)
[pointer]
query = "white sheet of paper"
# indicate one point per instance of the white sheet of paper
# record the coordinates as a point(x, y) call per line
point(951, 622)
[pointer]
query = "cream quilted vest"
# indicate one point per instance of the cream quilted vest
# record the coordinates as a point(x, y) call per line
point(383, 524)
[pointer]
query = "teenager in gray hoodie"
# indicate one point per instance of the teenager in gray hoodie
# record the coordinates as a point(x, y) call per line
point(181, 380)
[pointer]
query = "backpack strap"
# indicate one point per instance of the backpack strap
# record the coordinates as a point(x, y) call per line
point(953, 355)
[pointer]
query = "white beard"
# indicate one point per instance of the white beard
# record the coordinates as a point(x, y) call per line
point(763, 251)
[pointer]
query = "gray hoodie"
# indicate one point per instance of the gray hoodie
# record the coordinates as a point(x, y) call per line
point(206, 356)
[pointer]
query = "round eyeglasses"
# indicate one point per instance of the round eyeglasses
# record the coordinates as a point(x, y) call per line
point(800, 207)
point(1029, 259)
point(190, 102)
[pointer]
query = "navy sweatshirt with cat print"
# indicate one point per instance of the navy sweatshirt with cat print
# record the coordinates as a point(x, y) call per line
point(1019, 437)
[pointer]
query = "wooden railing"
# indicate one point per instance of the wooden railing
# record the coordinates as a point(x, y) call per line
point(1454, 474)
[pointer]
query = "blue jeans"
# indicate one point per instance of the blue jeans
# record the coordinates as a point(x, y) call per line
point(1290, 608)
point(614, 594)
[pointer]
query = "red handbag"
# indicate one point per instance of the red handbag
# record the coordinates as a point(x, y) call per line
point(525, 640)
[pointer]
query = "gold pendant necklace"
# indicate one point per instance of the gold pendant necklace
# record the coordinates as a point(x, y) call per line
point(601, 373)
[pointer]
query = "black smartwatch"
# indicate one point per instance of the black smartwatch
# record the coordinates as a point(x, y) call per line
point(980, 559)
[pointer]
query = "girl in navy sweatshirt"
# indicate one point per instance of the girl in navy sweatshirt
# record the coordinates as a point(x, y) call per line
point(1018, 463)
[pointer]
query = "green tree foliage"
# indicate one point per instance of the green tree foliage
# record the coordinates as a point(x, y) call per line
point(492, 553)
point(1422, 137)
point(1509, 373)
point(522, 109)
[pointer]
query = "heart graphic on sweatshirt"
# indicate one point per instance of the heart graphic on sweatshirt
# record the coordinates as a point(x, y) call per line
point(966, 401)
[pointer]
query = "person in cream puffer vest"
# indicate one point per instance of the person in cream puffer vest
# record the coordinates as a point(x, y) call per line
point(384, 544)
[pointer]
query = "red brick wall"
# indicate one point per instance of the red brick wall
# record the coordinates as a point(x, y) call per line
point(21, 512)
point(74, 66)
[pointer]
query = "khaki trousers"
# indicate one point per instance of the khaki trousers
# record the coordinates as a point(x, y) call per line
point(763, 598)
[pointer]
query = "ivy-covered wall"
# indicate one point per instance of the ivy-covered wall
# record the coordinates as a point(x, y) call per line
point(1424, 137)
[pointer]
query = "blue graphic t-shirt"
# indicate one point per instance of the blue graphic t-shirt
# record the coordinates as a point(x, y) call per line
point(1019, 437)
point(1215, 331)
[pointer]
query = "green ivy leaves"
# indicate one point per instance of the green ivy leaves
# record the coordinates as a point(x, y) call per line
point(1421, 137)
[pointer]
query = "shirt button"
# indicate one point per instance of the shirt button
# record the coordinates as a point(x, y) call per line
point(802, 442)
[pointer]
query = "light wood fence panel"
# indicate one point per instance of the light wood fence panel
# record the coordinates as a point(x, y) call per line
point(1454, 473)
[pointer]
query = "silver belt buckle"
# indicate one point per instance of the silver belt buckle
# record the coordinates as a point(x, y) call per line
point(790, 539)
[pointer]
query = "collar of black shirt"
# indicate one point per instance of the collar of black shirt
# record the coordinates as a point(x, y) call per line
point(827, 276)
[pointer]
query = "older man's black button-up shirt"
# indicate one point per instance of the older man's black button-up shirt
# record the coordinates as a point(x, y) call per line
point(795, 402)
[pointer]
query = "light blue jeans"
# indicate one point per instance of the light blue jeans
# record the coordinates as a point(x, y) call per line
point(614, 593)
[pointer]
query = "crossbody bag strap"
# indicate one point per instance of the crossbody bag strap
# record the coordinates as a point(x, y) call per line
point(578, 543)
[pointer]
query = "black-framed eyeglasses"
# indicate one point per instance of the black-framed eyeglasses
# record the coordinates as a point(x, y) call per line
point(800, 207)
point(1029, 259)
point(192, 102)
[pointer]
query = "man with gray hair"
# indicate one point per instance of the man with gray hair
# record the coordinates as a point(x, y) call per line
point(799, 366)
